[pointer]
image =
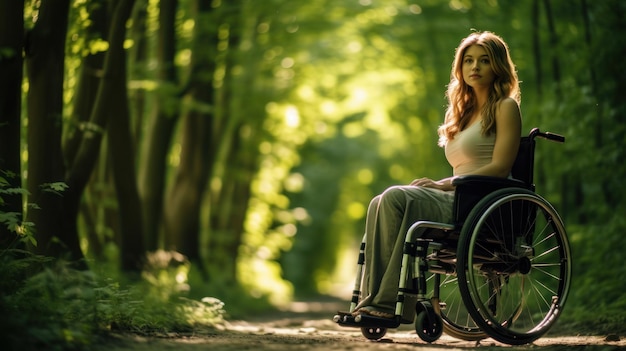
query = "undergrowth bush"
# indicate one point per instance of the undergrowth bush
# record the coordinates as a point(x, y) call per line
point(597, 303)
point(47, 304)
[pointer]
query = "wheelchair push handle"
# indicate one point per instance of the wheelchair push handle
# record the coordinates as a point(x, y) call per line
point(551, 136)
point(547, 135)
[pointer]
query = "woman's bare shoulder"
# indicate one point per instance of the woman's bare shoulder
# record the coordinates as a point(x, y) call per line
point(508, 102)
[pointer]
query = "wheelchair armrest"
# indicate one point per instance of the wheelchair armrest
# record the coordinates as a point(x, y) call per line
point(472, 188)
point(488, 181)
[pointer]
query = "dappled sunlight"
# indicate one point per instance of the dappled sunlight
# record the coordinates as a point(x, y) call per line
point(459, 5)
point(364, 113)
point(167, 273)
point(356, 210)
point(207, 311)
point(398, 171)
point(365, 176)
point(294, 183)
point(353, 130)
point(174, 156)
point(357, 99)
point(292, 117)
point(261, 278)
point(341, 282)
point(378, 15)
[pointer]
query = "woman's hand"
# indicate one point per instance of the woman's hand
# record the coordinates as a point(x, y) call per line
point(443, 184)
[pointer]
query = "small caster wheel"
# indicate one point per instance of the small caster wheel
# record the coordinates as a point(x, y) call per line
point(426, 329)
point(373, 333)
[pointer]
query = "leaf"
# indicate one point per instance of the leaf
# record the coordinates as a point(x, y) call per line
point(56, 187)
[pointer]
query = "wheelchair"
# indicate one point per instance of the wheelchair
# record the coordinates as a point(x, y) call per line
point(502, 269)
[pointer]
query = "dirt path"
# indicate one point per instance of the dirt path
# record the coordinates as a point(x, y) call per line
point(308, 326)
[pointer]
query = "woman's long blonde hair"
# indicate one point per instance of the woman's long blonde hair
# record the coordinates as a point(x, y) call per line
point(461, 97)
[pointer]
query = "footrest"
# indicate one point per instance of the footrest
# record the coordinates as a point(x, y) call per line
point(346, 319)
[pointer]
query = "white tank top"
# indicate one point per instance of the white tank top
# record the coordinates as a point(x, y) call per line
point(469, 150)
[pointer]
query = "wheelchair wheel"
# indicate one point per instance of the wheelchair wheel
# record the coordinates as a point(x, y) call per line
point(457, 322)
point(428, 330)
point(514, 265)
point(373, 333)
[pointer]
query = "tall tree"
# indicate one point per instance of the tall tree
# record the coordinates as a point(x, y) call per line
point(111, 99)
point(239, 132)
point(160, 125)
point(45, 54)
point(11, 48)
point(122, 152)
point(79, 126)
point(182, 208)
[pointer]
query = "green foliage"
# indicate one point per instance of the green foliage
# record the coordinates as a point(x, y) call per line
point(583, 176)
point(340, 99)
point(597, 287)
point(570, 87)
point(13, 220)
point(49, 305)
point(55, 188)
point(41, 311)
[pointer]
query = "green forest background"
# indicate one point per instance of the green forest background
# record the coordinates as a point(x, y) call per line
point(166, 164)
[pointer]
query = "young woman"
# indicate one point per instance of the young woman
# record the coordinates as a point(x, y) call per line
point(480, 135)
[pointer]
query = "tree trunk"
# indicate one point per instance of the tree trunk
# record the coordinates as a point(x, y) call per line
point(229, 203)
point(11, 22)
point(45, 53)
point(556, 71)
point(229, 214)
point(138, 63)
point(182, 209)
point(537, 49)
point(121, 148)
point(88, 151)
point(80, 126)
point(160, 129)
point(122, 158)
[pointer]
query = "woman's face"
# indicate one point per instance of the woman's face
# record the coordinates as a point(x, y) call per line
point(477, 71)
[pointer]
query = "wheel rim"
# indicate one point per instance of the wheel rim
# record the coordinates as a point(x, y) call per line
point(517, 288)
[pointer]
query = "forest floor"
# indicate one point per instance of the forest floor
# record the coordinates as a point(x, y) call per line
point(308, 326)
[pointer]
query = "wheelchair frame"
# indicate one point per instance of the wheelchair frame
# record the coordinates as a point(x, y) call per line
point(507, 253)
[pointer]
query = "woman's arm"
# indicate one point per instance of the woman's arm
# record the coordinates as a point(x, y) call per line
point(508, 132)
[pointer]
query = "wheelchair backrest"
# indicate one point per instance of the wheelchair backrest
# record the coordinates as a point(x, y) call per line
point(473, 188)
point(524, 162)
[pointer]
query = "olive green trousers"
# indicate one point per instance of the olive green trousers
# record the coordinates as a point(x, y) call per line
point(389, 217)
